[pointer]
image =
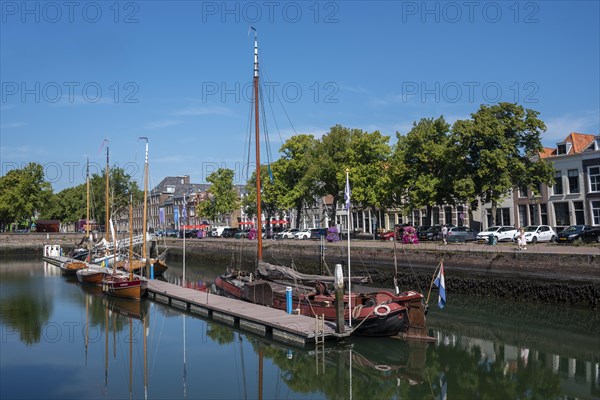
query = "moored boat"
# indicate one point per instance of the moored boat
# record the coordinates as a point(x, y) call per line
point(72, 266)
point(378, 313)
point(92, 275)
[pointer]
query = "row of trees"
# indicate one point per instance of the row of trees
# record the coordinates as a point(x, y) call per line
point(26, 195)
point(473, 161)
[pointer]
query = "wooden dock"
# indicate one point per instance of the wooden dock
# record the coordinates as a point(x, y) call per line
point(56, 260)
point(266, 321)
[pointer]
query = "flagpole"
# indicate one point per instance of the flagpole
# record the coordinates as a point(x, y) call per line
point(347, 195)
point(433, 280)
point(184, 218)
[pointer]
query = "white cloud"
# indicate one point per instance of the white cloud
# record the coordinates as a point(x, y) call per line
point(559, 127)
point(203, 111)
point(13, 125)
point(161, 124)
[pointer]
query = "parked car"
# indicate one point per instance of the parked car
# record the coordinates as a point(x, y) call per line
point(461, 234)
point(303, 234)
point(502, 233)
point(217, 231)
point(398, 229)
point(287, 233)
point(229, 232)
point(242, 234)
point(318, 233)
point(172, 233)
point(537, 233)
point(575, 232)
point(388, 236)
point(433, 233)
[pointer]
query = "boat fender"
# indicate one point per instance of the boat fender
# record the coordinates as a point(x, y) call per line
point(383, 367)
point(385, 312)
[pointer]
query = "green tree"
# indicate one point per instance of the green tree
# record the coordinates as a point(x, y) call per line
point(69, 205)
point(501, 145)
point(327, 171)
point(367, 156)
point(423, 163)
point(23, 194)
point(297, 187)
point(223, 198)
point(272, 192)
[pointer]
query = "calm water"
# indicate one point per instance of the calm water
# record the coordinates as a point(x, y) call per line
point(61, 340)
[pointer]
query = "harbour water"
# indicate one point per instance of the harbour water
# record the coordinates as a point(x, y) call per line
point(65, 341)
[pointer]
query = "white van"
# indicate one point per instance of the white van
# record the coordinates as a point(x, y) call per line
point(217, 231)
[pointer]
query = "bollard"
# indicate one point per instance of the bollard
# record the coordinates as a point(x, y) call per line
point(339, 299)
point(288, 299)
point(151, 271)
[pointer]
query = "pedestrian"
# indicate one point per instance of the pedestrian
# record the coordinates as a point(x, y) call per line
point(444, 234)
point(521, 241)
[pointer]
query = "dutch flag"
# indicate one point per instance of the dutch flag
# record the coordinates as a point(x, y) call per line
point(440, 282)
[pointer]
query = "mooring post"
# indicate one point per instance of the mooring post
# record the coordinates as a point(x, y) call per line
point(288, 299)
point(339, 298)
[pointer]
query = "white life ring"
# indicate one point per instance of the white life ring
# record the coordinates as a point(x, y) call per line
point(386, 309)
point(383, 367)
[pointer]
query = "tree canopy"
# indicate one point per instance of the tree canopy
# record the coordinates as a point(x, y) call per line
point(23, 193)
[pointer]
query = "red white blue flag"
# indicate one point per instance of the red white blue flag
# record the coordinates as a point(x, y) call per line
point(440, 282)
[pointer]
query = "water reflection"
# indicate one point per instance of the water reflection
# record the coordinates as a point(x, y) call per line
point(78, 343)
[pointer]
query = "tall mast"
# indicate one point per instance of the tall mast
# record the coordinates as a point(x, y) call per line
point(87, 202)
point(130, 237)
point(256, 126)
point(106, 195)
point(144, 223)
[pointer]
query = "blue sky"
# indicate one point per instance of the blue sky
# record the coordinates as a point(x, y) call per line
point(178, 73)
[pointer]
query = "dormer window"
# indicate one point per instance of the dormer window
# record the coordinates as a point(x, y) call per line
point(563, 148)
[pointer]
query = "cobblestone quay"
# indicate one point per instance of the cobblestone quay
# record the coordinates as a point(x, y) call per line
point(548, 273)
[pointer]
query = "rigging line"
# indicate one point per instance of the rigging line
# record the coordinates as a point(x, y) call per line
point(248, 141)
point(265, 124)
point(282, 107)
point(412, 269)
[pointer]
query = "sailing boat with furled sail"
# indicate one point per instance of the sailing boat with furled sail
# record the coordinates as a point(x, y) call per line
point(127, 286)
point(158, 265)
point(92, 274)
point(378, 313)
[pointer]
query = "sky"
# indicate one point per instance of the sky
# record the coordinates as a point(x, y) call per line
point(179, 73)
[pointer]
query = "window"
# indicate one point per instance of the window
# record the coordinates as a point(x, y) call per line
point(573, 181)
point(461, 216)
point(563, 148)
point(522, 192)
point(579, 216)
point(561, 213)
point(595, 212)
point(448, 215)
point(522, 215)
point(594, 177)
point(544, 213)
point(533, 215)
point(503, 216)
point(436, 215)
point(558, 185)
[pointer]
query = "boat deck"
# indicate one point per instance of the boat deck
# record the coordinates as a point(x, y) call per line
point(289, 328)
